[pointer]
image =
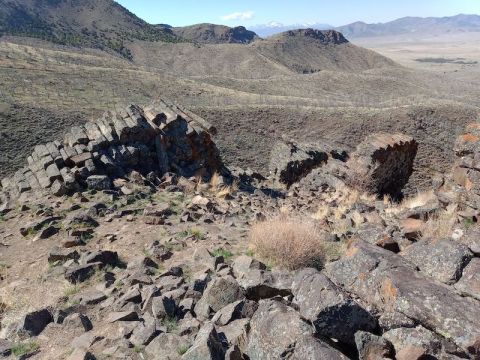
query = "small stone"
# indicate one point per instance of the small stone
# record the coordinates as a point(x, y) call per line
point(99, 182)
point(122, 316)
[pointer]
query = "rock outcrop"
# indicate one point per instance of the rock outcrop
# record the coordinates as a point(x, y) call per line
point(152, 140)
point(382, 164)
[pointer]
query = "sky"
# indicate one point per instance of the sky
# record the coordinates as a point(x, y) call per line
point(254, 12)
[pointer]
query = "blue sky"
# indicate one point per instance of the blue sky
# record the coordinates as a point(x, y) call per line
point(253, 12)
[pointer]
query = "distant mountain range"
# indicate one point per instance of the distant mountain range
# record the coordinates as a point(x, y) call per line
point(414, 25)
point(407, 25)
point(106, 25)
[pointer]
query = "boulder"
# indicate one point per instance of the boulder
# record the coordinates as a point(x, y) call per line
point(387, 282)
point(373, 347)
point(332, 313)
point(382, 164)
point(167, 346)
point(79, 273)
point(262, 284)
point(277, 331)
point(219, 293)
point(99, 182)
point(207, 345)
point(290, 162)
point(145, 332)
point(407, 338)
point(469, 284)
point(443, 260)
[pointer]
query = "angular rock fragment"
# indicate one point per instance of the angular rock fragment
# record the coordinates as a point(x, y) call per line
point(33, 323)
point(167, 346)
point(218, 294)
point(371, 347)
point(290, 162)
point(469, 283)
point(207, 345)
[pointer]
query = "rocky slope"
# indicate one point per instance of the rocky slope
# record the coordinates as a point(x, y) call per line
point(149, 263)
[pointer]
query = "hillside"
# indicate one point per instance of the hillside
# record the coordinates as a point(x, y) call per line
point(414, 26)
point(215, 34)
point(293, 52)
point(309, 51)
point(102, 24)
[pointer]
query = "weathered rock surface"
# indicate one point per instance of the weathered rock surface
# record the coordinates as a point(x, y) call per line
point(332, 312)
point(33, 323)
point(382, 164)
point(469, 284)
point(388, 283)
point(277, 331)
point(290, 162)
point(443, 260)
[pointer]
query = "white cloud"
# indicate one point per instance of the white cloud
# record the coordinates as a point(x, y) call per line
point(246, 15)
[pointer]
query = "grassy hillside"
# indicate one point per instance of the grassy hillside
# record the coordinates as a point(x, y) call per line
point(102, 24)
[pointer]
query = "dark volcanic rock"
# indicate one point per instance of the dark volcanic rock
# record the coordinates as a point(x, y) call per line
point(207, 345)
point(469, 284)
point(387, 282)
point(291, 162)
point(382, 164)
point(219, 293)
point(153, 140)
point(332, 312)
point(277, 330)
point(372, 347)
point(33, 323)
point(444, 260)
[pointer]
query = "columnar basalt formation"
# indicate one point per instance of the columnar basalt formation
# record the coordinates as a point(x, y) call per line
point(152, 140)
point(382, 164)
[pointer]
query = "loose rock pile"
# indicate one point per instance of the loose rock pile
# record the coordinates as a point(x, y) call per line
point(156, 262)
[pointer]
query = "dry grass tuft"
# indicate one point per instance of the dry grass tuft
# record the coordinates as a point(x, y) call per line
point(289, 242)
point(421, 199)
point(215, 182)
point(440, 225)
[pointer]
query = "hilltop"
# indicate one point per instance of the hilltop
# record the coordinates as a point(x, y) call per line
point(320, 50)
point(215, 34)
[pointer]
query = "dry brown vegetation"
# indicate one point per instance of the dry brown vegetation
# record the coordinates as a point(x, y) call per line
point(288, 242)
point(441, 224)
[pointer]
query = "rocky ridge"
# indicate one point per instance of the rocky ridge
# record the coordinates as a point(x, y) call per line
point(157, 265)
